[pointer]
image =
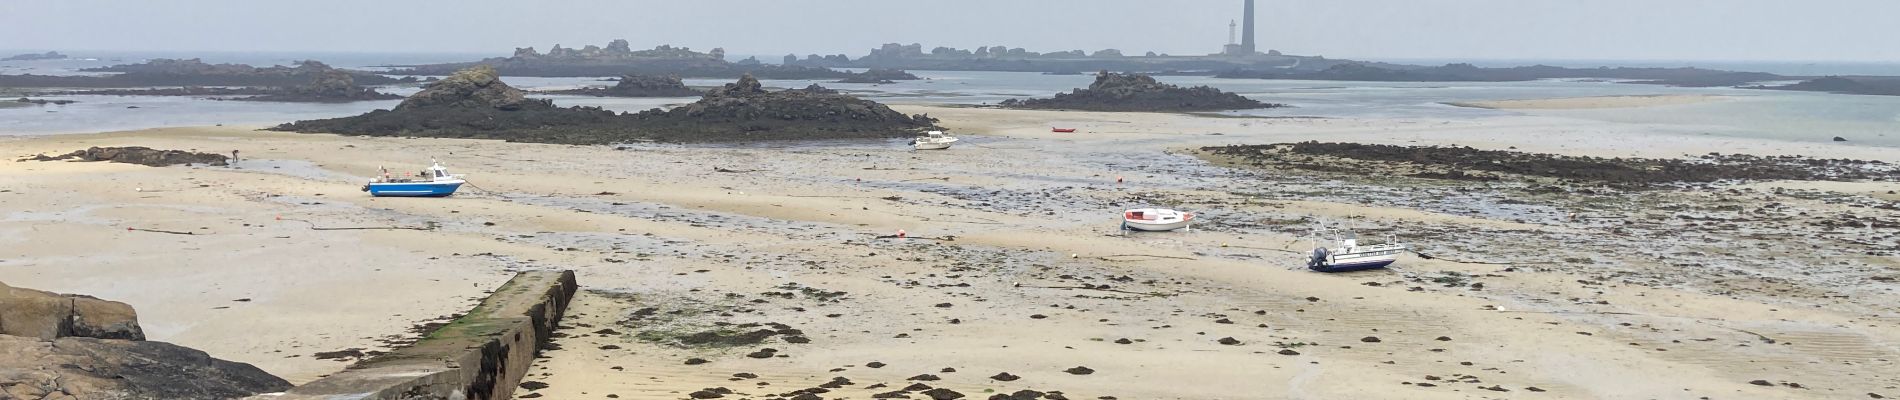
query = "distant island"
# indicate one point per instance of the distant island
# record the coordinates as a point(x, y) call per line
point(1865, 85)
point(475, 104)
point(308, 82)
point(618, 58)
point(1016, 59)
point(1691, 77)
point(1135, 92)
point(193, 72)
point(51, 55)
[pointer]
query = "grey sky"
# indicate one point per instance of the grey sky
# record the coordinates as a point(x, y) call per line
point(1782, 30)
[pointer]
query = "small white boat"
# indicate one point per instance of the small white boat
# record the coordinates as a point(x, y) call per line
point(1155, 219)
point(935, 140)
point(1350, 256)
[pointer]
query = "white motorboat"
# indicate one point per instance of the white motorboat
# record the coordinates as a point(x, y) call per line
point(1351, 256)
point(1155, 219)
point(935, 140)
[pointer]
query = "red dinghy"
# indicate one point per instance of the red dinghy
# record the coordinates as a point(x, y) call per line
point(1062, 130)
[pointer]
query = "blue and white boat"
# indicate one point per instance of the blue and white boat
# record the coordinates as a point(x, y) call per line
point(433, 182)
point(1350, 256)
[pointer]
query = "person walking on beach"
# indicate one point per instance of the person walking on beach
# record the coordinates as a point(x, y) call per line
point(234, 157)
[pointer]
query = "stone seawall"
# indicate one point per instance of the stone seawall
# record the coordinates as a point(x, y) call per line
point(480, 356)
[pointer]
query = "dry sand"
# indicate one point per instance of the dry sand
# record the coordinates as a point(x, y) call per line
point(1035, 280)
point(1584, 103)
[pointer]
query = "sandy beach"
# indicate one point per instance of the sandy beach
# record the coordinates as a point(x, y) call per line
point(1588, 103)
point(1013, 264)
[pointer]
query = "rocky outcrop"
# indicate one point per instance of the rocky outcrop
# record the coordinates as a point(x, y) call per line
point(618, 58)
point(1135, 92)
point(631, 85)
point(330, 86)
point(51, 55)
point(136, 155)
point(475, 104)
point(82, 368)
point(194, 72)
point(47, 315)
point(878, 75)
point(60, 346)
point(478, 87)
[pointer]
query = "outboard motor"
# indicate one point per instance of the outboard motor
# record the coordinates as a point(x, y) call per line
point(1319, 259)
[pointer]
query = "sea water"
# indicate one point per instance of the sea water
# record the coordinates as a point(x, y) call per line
point(1766, 114)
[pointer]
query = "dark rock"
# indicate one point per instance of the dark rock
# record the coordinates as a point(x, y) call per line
point(89, 368)
point(874, 364)
point(631, 85)
point(924, 377)
point(326, 85)
point(1459, 162)
point(1230, 341)
point(1123, 341)
point(1369, 339)
point(1840, 139)
point(44, 101)
point(1079, 370)
point(696, 361)
point(1444, 338)
point(1288, 352)
point(1135, 92)
point(475, 104)
point(1761, 382)
point(533, 385)
point(763, 353)
point(1005, 377)
point(943, 394)
point(137, 155)
point(48, 315)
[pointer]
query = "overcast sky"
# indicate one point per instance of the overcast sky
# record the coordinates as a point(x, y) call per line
point(1770, 30)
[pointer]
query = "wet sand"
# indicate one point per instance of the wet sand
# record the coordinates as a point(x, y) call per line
point(1029, 277)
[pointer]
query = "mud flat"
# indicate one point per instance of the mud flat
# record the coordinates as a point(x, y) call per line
point(1598, 102)
point(711, 269)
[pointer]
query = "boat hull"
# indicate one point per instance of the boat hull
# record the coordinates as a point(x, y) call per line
point(413, 189)
point(1153, 227)
point(1353, 265)
point(932, 146)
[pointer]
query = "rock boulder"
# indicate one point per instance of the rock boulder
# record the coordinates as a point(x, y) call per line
point(47, 315)
point(80, 368)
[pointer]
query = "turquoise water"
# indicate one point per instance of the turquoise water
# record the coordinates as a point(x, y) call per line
point(1794, 116)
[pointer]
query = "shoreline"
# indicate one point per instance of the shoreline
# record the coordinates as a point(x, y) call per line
point(1592, 102)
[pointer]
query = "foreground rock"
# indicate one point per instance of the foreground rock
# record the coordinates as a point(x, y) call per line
point(1135, 92)
point(60, 346)
point(474, 103)
point(51, 55)
point(84, 368)
point(48, 315)
point(136, 155)
point(631, 85)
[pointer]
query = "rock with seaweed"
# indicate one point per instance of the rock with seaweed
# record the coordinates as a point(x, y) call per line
point(631, 85)
point(1136, 92)
point(475, 103)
